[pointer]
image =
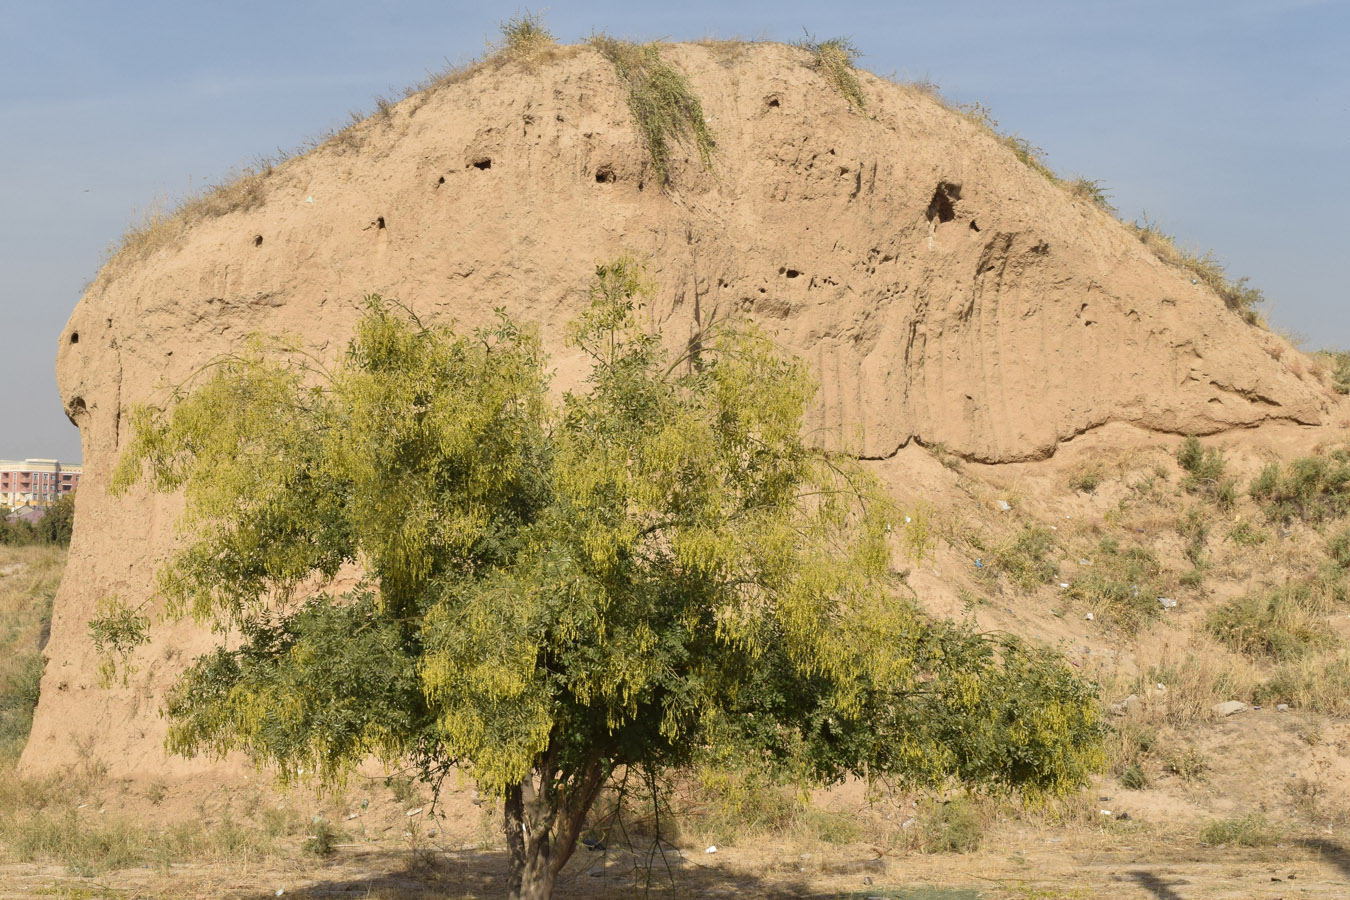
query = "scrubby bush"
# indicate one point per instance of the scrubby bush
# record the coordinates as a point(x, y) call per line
point(1204, 472)
point(953, 826)
point(1133, 778)
point(1311, 488)
point(1086, 480)
point(1122, 584)
point(1339, 548)
point(1251, 830)
point(1319, 684)
point(525, 35)
point(1026, 558)
point(1338, 362)
point(1282, 623)
point(1245, 534)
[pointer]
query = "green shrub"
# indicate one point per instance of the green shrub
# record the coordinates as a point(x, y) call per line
point(1026, 558)
point(1338, 361)
point(1339, 548)
point(322, 839)
point(663, 106)
point(1122, 585)
point(1245, 534)
point(836, 60)
point(1204, 472)
point(1133, 778)
point(1251, 830)
point(1087, 481)
point(1283, 623)
point(1194, 527)
point(1311, 488)
point(1189, 764)
point(525, 35)
point(952, 827)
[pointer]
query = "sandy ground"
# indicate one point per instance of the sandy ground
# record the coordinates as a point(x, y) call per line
point(1017, 865)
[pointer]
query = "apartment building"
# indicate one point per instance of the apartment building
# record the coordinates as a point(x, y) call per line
point(36, 482)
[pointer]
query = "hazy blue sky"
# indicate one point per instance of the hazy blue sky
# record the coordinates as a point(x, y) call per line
point(1225, 121)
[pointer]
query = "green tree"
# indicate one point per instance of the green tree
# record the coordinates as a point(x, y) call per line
point(56, 526)
point(656, 568)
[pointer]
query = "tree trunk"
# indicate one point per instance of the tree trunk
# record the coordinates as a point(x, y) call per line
point(542, 826)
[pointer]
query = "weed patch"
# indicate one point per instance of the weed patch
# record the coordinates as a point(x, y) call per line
point(525, 37)
point(1319, 684)
point(1338, 365)
point(26, 595)
point(954, 826)
point(1252, 830)
point(1026, 559)
point(663, 106)
point(836, 60)
point(1204, 268)
point(1122, 584)
point(1311, 488)
point(1204, 469)
point(1282, 624)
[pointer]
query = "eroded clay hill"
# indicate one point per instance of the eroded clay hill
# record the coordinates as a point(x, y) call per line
point(944, 292)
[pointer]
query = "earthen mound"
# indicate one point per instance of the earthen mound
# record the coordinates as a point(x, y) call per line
point(944, 291)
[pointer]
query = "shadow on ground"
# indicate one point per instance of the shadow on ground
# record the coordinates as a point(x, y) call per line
point(480, 875)
point(1331, 852)
point(1157, 886)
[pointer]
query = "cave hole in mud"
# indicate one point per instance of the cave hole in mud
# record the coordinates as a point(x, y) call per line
point(440, 181)
point(74, 337)
point(604, 175)
point(482, 162)
point(379, 224)
point(257, 240)
point(943, 205)
point(76, 410)
point(773, 102)
point(973, 226)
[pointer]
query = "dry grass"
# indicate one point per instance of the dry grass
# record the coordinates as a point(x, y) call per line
point(1194, 676)
point(1204, 268)
point(525, 38)
point(1283, 623)
point(60, 818)
point(836, 59)
point(29, 577)
point(1319, 684)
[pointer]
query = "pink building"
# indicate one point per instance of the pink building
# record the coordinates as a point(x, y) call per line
point(36, 482)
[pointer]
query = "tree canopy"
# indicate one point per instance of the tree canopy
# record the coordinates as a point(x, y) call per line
point(655, 567)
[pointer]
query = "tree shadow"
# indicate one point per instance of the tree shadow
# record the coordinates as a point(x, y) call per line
point(481, 874)
point(1332, 852)
point(1156, 886)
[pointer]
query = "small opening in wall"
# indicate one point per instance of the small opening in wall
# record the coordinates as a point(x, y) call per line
point(482, 162)
point(74, 337)
point(379, 223)
point(257, 240)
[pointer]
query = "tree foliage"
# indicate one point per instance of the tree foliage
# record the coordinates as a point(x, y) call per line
point(55, 526)
point(656, 568)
